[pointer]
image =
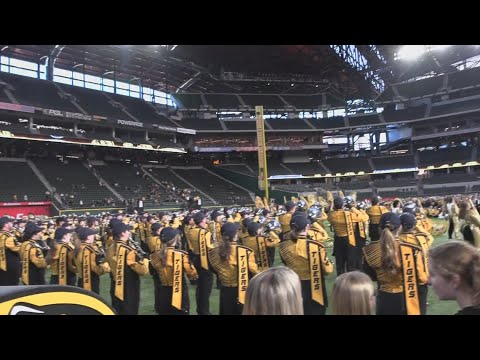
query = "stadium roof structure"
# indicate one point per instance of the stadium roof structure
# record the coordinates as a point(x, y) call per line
point(348, 71)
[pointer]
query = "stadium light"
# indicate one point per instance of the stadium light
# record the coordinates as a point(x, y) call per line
point(410, 52)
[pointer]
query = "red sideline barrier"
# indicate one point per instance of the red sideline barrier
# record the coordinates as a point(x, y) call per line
point(24, 208)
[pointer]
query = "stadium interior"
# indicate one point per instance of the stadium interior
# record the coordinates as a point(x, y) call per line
point(104, 126)
point(90, 129)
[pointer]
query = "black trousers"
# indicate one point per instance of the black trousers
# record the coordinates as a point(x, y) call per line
point(11, 277)
point(422, 295)
point(131, 302)
point(165, 301)
point(311, 307)
point(347, 257)
point(204, 287)
point(391, 303)
point(374, 232)
point(94, 283)
point(271, 255)
point(156, 291)
point(450, 228)
point(71, 279)
point(229, 304)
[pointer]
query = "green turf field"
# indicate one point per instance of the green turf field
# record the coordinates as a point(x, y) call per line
point(435, 307)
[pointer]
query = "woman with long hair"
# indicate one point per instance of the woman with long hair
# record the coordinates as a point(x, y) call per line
point(276, 291)
point(353, 294)
point(233, 264)
point(455, 275)
point(385, 262)
point(62, 259)
point(170, 263)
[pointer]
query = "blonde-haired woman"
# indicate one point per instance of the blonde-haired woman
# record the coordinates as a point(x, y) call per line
point(455, 275)
point(353, 294)
point(276, 291)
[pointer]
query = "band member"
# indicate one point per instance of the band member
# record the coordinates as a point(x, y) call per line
point(309, 260)
point(170, 264)
point(127, 263)
point(154, 243)
point(62, 258)
point(260, 243)
point(91, 261)
point(10, 266)
point(285, 218)
point(201, 244)
point(409, 235)
point(215, 226)
point(374, 213)
point(471, 229)
point(397, 267)
point(233, 265)
point(32, 255)
point(347, 242)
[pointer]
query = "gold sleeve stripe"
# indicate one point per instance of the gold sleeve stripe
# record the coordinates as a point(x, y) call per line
point(262, 250)
point(349, 223)
point(25, 264)
point(86, 271)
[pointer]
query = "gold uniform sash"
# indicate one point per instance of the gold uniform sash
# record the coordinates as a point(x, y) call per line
point(410, 285)
point(314, 260)
point(86, 269)
point(262, 250)
point(202, 242)
point(177, 279)
point(62, 265)
point(3, 256)
point(242, 268)
point(120, 271)
point(25, 264)
point(361, 229)
point(349, 224)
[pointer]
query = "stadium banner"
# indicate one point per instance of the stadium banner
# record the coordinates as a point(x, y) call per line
point(262, 153)
point(17, 107)
point(186, 131)
point(130, 123)
point(17, 209)
point(67, 114)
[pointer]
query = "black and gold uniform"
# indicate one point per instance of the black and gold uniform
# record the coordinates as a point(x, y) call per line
point(215, 226)
point(374, 213)
point(317, 232)
point(153, 244)
point(32, 255)
point(200, 245)
point(424, 241)
point(398, 292)
point(309, 260)
point(126, 264)
point(349, 236)
point(260, 243)
point(91, 261)
point(10, 266)
point(286, 219)
point(64, 269)
point(171, 266)
point(233, 264)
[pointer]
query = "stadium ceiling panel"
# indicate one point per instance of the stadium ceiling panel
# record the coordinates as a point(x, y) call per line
point(287, 69)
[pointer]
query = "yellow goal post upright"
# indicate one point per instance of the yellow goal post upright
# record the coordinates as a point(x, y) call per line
point(262, 152)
